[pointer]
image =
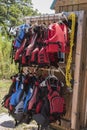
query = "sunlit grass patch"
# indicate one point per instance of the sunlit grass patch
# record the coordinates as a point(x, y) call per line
point(4, 87)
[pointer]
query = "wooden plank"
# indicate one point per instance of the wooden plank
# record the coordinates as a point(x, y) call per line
point(76, 88)
point(57, 127)
point(84, 104)
point(71, 8)
point(69, 2)
point(74, 5)
point(85, 122)
point(84, 74)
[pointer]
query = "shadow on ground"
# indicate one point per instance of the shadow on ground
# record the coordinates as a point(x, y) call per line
point(8, 124)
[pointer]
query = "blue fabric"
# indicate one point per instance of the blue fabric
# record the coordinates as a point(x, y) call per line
point(17, 83)
point(21, 35)
point(28, 97)
point(15, 97)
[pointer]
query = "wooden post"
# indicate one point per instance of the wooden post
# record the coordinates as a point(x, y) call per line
point(84, 75)
point(76, 88)
point(84, 104)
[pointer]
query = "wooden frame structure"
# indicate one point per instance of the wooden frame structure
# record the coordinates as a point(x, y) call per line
point(77, 118)
point(69, 5)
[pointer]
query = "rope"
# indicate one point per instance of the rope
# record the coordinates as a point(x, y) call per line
point(68, 77)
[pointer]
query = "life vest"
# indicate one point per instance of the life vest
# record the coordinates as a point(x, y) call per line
point(43, 58)
point(19, 108)
point(21, 35)
point(6, 99)
point(20, 50)
point(34, 96)
point(57, 38)
point(16, 96)
point(31, 45)
point(65, 46)
point(27, 98)
point(56, 103)
point(23, 60)
point(34, 55)
point(6, 103)
point(39, 106)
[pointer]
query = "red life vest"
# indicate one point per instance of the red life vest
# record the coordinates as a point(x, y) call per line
point(34, 55)
point(43, 58)
point(31, 45)
point(57, 38)
point(6, 104)
point(23, 60)
point(33, 98)
point(56, 103)
point(20, 50)
point(39, 106)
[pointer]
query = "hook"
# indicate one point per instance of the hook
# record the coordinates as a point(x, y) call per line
point(43, 19)
point(54, 18)
point(49, 72)
point(39, 20)
point(48, 19)
point(52, 71)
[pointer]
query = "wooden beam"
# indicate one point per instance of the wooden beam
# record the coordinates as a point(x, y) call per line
point(84, 104)
point(76, 88)
point(84, 75)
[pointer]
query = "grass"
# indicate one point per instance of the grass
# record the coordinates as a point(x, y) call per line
point(4, 87)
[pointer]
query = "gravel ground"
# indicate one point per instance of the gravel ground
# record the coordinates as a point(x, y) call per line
point(7, 123)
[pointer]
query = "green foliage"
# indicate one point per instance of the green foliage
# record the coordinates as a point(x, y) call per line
point(3, 13)
point(6, 68)
point(11, 14)
point(12, 11)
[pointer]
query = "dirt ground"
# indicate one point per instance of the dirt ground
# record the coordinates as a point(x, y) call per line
point(7, 123)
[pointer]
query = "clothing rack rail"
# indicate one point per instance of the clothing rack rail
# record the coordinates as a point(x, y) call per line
point(46, 17)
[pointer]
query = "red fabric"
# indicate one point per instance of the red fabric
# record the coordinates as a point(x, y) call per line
point(34, 54)
point(56, 103)
point(43, 56)
point(24, 60)
point(6, 104)
point(31, 45)
point(33, 99)
point(57, 33)
point(11, 107)
point(53, 57)
point(19, 51)
point(26, 81)
point(39, 106)
point(13, 79)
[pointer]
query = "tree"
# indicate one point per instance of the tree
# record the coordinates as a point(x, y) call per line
point(12, 12)
point(6, 68)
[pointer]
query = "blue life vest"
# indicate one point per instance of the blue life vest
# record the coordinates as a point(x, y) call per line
point(21, 35)
point(28, 97)
point(15, 98)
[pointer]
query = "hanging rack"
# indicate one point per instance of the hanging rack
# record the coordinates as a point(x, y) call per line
point(50, 70)
point(45, 17)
